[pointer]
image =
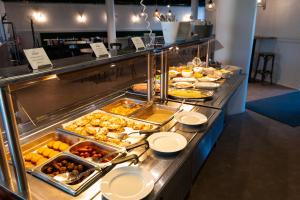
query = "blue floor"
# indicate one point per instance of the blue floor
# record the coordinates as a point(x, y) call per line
point(283, 108)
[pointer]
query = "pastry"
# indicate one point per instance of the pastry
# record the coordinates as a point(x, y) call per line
point(53, 153)
point(41, 161)
point(41, 150)
point(50, 144)
point(63, 146)
point(46, 152)
point(28, 157)
point(56, 145)
point(35, 158)
point(28, 164)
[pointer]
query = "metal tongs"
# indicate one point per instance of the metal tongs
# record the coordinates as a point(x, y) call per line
point(125, 150)
point(70, 177)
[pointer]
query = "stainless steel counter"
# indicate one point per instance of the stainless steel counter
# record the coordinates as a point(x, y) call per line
point(162, 168)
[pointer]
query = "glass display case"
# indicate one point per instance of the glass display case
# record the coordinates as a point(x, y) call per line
point(46, 113)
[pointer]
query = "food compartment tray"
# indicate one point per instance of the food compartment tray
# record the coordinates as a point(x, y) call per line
point(103, 134)
point(112, 107)
point(73, 189)
point(156, 113)
point(103, 149)
point(183, 94)
point(39, 148)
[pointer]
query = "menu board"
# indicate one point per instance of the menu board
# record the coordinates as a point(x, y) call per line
point(138, 43)
point(99, 49)
point(37, 58)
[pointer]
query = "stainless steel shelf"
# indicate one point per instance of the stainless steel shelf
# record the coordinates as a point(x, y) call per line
point(63, 66)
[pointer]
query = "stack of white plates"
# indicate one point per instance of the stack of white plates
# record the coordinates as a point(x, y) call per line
point(207, 85)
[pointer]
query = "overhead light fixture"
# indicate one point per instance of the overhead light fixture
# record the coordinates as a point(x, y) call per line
point(210, 6)
point(81, 18)
point(39, 17)
point(168, 6)
point(156, 13)
point(142, 14)
point(261, 3)
point(135, 18)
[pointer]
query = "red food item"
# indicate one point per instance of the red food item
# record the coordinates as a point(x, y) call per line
point(85, 149)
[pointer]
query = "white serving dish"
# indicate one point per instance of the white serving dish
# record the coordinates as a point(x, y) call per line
point(191, 118)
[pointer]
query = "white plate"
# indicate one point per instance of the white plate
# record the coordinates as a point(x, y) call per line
point(207, 79)
point(207, 85)
point(167, 142)
point(183, 85)
point(182, 79)
point(191, 118)
point(127, 183)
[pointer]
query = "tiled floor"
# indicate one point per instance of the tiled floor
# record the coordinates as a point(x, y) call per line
point(256, 158)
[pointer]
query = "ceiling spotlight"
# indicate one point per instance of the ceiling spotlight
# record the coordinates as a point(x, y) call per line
point(168, 6)
point(39, 17)
point(261, 3)
point(81, 18)
point(210, 5)
point(156, 13)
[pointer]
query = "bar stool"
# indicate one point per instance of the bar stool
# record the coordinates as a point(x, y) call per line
point(267, 56)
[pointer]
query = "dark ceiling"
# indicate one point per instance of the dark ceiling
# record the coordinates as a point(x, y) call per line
point(147, 2)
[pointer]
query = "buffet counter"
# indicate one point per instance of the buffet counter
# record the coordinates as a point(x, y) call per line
point(169, 171)
point(93, 117)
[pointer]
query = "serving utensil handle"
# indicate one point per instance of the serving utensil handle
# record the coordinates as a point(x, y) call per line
point(148, 131)
point(132, 157)
point(138, 144)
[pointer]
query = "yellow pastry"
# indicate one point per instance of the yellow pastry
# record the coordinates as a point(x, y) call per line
point(41, 150)
point(78, 130)
point(50, 144)
point(63, 146)
point(28, 165)
point(95, 122)
point(56, 145)
point(82, 122)
point(28, 157)
point(71, 127)
point(41, 161)
point(91, 130)
point(46, 152)
point(53, 153)
point(35, 158)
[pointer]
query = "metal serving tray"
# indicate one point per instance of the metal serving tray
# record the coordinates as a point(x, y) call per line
point(34, 145)
point(107, 148)
point(145, 113)
point(133, 139)
point(71, 189)
point(209, 95)
point(120, 102)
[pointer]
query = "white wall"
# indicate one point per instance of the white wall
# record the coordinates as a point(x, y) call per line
point(235, 22)
point(61, 17)
point(281, 19)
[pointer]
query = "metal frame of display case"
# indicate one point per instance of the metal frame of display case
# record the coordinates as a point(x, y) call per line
point(13, 83)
